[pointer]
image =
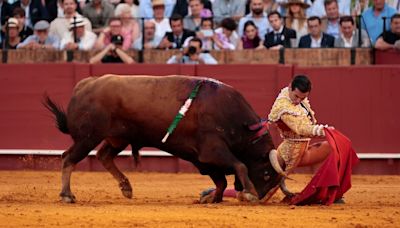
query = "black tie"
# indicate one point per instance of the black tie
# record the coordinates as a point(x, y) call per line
point(177, 42)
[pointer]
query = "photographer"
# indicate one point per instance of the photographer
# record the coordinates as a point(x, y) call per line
point(193, 55)
point(113, 53)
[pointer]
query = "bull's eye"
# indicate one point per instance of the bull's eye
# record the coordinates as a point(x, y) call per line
point(266, 173)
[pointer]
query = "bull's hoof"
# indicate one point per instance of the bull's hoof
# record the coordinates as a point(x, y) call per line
point(207, 199)
point(248, 197)
point(126, 189)
point(68, 198)
point(127, 193)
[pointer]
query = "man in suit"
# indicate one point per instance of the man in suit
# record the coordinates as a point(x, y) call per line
point(316, 38)
point(34, 11)
point(176, 38)
point(349, 35)
point(280, 36)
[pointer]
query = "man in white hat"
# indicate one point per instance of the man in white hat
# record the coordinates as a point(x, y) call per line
point(78, 38)
point(161, 22)
point(12, 37)
point(41, 38)
point(60, 25)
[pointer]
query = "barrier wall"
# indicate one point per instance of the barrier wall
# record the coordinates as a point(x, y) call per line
point(359, 101)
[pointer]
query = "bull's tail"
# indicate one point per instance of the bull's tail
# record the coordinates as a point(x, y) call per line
point(59, 114)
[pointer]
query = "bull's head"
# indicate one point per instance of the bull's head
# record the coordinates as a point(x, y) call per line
point(262, 172)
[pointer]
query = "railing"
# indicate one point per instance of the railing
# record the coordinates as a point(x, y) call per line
point(298, 56)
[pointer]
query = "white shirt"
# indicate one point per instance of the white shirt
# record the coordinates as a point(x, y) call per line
point(162, 27)
point(86, 43)
point(348, 44)
point(316, 43)
point(60, 26)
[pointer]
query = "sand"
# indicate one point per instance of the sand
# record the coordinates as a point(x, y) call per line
point(30, 198)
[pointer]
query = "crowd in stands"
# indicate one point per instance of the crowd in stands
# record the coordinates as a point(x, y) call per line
point(197, 26)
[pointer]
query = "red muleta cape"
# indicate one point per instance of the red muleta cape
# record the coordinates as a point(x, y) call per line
point(333, 178)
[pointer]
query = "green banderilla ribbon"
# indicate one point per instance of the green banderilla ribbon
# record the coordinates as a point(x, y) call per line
point(185, 107)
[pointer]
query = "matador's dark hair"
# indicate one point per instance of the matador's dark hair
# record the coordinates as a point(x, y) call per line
point(302, 83)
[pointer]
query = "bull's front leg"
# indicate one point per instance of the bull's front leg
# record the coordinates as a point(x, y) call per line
point(220, 183)
point(249, 192)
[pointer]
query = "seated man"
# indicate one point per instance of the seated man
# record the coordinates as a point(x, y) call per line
point(113, 53)
point(11, 30)
point(316, 38)
point(151, 39)
point(41, 38)
point(177, 37)
point(193, 55)
point(280, 36)
point(349, 35)
point(78, 38)
point(390, 39)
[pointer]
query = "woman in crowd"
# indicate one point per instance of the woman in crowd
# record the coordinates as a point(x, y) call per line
point(130, 26)
point(250, 38)
point(296, 18)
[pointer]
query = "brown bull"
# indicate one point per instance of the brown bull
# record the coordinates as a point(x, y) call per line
point(137, 110)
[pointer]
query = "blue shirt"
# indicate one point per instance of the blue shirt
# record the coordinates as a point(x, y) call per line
point(261, 23)
point(374, 25)
point(333, 29)
point(51, 40)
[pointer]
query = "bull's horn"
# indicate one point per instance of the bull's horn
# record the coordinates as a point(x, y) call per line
point(284, 188)
point(273, 158)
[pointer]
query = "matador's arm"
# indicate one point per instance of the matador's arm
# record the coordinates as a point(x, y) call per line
point(302, 126)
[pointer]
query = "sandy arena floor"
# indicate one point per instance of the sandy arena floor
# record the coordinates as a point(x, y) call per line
point(30, 198)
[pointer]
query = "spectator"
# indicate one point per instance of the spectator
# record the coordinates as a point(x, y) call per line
point(317, 8)
point(130, 26)
point(162, 23)
point(24, 30)
point(11, 31)
point(280, 36)
point(114, 29)
point(258, 16)
point(177, 37)
point(372, 19)
point(270, 6)
point(250, 38)
point(34, 11)
point(359, 7)
point(192, 21)
point(41, 39)
point(146, 10)
point(151, 39)
point(316, 38)
point(331, 25)
point(390, 39)
point(99, 13)
point(5, 12)
point(206, 33)
point(78, 38)
point(296, 18)
point(60, 25)
point(133, 6)
point(193, 55)
point(228, 8)
point(182, 7)
point(226, 37)
point(113, 53)
point(349, 35)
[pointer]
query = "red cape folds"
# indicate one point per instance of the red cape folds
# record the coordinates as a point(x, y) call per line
point(333, 178)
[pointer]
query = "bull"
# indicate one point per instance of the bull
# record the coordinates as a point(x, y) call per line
point(215, 134)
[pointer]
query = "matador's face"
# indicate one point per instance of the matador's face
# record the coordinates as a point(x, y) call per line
point(296, 96)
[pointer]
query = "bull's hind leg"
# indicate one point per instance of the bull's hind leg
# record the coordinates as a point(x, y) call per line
point(106, 156)
point(70, 158)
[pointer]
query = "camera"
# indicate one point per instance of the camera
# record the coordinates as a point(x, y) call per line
point(191, 50)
